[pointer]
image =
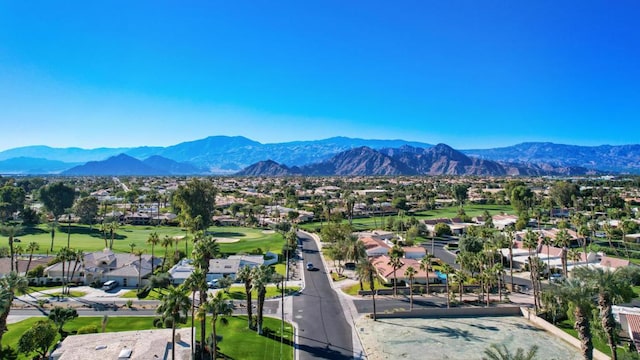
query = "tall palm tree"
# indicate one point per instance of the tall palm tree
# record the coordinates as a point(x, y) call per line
point(77, 256)
point(194, 283)
point(17, 252)
point(425, 265)
point(262, 275)
point(612, 288)
point(410, 272)
point(548, 242)
point(112, 227)
point(218, 308)
point(447, 269)
point(563, 239)
point(174, 305)
point(31, 248)
point(531, 242)
point(577, 293)
point(395, 263)
point(166, 242)
point(139, 253)
point(355, 249)
point(153, 240)
point(10, 231)
point(52, 225)
point(460, 277)
point(245, 276)
point(12, 284)
point(370, 272)
point(204, 249)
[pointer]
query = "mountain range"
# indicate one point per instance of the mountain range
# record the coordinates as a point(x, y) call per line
point(333, 156)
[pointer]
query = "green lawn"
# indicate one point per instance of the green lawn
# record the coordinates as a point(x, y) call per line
point(567, 327)
point(238, 293)
point(353, 289)
point(82, 237)
point(238, 342)
point(131, 294)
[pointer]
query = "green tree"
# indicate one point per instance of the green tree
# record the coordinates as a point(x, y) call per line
point(442, 229)
point(396, 263)
point(205, 248)
point(174, 306)
point(11, 231)
point(165, 243)
point(195, 282)
point(612, 288)
point(410, 272)
point(425, 265)
point(11, 200)
point(460, 193)
point(11, 284)
point(262, 275)
point(575, 292)
point(195, 199)
point(153, 240)
point(563, 193)
point(60, 315)
point(244, 275)
point(447, 269)
point(219, 309)
point(86, 209)
point(38, 339)
point(31, 248)
point(57, 198)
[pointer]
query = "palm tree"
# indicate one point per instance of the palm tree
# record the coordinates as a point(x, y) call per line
point(355, 249)
point(78, 257)
point(204, 249)
point(612, 288)
point(498, 270)
point(496, 352)
point(31, 248)
point(112, 227)
point(460, 277)
point(52, 229)
point(11, 284)
point(394, 261)
point(11, 231)
point(194, 283)
point(139, 253)
point(577, 293)
point(174, 305)
point(563, 239)
point(244, 275)
point(166, 242)
point(261, 275)
point(154, 240)
point(218, 308)
point(447, 269)
point(531, 242)
point(371, 271)
point(548, 242)
point(17, 252)
point(425, 265)
point(410, 272)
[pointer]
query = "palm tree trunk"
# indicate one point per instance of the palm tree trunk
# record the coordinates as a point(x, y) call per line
point(203, 321)
point(261, 294)
point(411, 295)
point(249, 310)
point(608, 323)
point(395, 283)
point(584, 332)
point(373, 297)
point(214, 340)
point(29, 262)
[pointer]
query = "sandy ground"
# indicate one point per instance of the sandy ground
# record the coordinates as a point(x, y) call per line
point(456, 338)
point(226, 240)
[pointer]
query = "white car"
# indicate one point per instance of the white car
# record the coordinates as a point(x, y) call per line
point(310, 266)
point(213, 284)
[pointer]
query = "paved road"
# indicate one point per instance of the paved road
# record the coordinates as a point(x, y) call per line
point(323, 332)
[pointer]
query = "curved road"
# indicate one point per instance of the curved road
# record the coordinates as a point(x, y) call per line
point(323, 332)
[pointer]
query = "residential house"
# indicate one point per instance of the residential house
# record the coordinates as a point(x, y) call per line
point(385, 271)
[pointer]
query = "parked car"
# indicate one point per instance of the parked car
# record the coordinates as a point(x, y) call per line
point(213, 284)
point(310, 266)
point(110, 285)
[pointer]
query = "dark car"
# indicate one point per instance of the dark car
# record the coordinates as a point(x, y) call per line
point(310, 266)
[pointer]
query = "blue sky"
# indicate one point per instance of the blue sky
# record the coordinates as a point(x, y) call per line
point(472, 74)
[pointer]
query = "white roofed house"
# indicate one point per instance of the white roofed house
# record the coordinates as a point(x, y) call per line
point(106, 265)
point(229, 267)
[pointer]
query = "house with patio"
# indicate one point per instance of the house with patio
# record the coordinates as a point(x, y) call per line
point(385, 271)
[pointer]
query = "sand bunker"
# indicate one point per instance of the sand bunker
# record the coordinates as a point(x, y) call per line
point(226, 240)
point(268, 231)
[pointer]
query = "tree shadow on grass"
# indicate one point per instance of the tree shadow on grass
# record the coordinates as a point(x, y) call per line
point(226, 234)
